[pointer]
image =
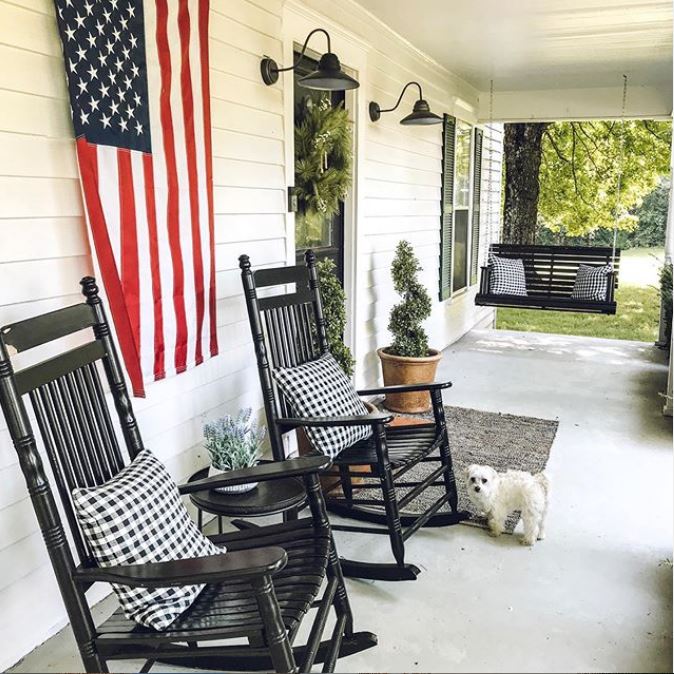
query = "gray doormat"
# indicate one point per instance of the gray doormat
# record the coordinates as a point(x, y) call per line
point(503, 441)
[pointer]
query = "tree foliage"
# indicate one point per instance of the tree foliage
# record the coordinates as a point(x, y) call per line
point(580, 167)
point(652, 217)
point(409, 337)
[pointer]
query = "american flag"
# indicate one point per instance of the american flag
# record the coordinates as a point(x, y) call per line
point(137, 73)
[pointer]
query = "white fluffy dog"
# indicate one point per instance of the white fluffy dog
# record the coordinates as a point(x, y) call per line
point(498, 494)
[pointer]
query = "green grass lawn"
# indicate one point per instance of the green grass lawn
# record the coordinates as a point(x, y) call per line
point(638, 306)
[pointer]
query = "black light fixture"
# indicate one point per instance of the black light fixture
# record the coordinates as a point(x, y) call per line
point(421, 113)
point(328, 77)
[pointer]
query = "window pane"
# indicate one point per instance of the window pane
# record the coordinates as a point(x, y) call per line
point(463, 138)
point(460, 250)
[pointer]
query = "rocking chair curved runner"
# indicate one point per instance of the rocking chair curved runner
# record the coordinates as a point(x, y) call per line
point(261, 589)
point(288, 330)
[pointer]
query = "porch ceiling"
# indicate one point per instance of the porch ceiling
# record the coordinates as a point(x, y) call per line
point(540, 44)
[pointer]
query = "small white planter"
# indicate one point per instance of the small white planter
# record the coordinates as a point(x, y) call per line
point(234, 489)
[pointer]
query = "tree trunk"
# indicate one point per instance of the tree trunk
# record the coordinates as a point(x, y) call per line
point(522, 153)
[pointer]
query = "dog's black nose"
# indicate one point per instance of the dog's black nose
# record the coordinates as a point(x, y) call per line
point(477, 489)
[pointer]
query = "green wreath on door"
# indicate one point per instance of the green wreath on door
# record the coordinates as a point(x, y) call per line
point(323, 157)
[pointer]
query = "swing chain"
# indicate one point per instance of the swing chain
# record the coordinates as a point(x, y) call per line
point(621, 159)
point(491, 171)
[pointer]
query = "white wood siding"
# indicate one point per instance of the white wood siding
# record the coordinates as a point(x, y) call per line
point(45, 251)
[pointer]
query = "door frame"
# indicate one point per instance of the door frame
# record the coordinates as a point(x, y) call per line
point(298, 21)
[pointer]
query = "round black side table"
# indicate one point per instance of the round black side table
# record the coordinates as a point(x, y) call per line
point(268, 498)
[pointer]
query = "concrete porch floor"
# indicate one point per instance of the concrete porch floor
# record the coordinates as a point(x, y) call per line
point(596, 595)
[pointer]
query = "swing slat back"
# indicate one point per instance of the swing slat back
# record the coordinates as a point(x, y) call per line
point(550, 275)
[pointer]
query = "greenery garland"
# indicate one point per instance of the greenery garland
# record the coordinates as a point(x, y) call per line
point(323, 156)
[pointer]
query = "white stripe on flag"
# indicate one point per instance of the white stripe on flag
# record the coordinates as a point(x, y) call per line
point(108, 176)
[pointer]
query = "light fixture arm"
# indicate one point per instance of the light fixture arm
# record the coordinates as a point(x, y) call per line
point(304, 49)
point(402, 93)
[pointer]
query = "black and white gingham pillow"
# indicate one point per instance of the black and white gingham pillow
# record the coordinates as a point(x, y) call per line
point(591, 283)
point(135, 518)
point(320, 388)
point(507, 276)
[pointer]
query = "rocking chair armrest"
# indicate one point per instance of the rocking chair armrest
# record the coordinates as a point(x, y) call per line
point(274, 470)
point(406, 388)
point(212, 569)
point(326, 422)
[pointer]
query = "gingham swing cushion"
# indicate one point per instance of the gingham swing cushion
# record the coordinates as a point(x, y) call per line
point(320, 388)
point(591, 283)
point(136, 518)
point(507, 276)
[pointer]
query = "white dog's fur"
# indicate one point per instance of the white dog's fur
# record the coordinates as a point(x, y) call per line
point(498, 494)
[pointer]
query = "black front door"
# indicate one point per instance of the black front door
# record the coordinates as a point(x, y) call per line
point(326, 239)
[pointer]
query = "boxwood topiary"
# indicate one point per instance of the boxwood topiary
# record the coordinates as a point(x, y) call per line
point(405, 324)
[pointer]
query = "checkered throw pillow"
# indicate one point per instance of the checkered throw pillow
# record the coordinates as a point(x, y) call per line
point(507, 276)
point(135, 518)
point(320, 388)
point(591, 283)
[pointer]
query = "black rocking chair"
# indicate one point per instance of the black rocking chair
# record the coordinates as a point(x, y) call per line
point(260, 590)
point(288, 330)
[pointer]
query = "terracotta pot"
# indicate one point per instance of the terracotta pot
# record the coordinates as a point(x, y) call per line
point(406, 370)
point(330, 479)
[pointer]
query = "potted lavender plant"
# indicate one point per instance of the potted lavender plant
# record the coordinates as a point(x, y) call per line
point(233, 443)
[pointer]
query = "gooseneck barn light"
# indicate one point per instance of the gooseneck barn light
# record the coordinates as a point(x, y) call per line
point(328, 77)
point(421, 113)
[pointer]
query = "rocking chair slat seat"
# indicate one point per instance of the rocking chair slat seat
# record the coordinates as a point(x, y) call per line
point(230, 608)
point(406, 445)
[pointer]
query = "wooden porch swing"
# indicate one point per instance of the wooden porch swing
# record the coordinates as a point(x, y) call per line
point(550, 271)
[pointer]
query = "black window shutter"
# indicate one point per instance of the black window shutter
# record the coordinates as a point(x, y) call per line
point(447, 205)
point(477, 192)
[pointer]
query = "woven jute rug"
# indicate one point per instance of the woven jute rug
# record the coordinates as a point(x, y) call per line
point(503, 441)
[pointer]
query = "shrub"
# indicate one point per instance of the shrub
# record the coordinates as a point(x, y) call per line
point(409, 337)
point(233, 442)
point(333, 300)
point(666, 298)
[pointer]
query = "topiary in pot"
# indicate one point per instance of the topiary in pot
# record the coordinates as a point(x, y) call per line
point(408, 360)
point(333, 300)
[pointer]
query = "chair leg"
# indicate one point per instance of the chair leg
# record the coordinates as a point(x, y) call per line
point(341, 600)
point(276, 636)
point(345, 479)
point(389, 496)
point(445, 453)
point(91, 660)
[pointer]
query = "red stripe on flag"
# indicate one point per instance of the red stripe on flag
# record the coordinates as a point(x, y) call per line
point(188, 120)
point(173, 219)
point(206, 101)
point(87, 159)
point(150, 205)
point(129, 242)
